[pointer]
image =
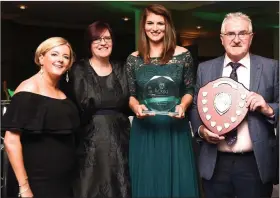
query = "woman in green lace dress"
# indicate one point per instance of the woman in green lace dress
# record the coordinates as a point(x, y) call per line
point(161, 157)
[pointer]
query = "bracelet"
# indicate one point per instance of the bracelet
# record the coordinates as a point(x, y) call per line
point(26, 179)
point(19, 194)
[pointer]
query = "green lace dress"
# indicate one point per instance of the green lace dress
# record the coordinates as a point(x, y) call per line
point(161, 157)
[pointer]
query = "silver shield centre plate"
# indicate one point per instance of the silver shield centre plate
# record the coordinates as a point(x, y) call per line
point(222, 103)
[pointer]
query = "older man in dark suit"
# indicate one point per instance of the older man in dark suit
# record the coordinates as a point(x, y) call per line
point(241, 163)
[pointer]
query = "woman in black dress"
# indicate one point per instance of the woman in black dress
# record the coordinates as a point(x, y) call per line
point(39, 125)
point(99, 88)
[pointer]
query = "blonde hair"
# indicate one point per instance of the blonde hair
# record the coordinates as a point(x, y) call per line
point(50, 43)
point(236, 15)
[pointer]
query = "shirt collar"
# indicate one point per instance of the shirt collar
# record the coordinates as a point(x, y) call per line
point(245, 62)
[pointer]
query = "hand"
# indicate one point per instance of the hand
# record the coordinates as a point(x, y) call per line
point(255, 101)
point(181, 112)
point(209, 136)
point(25, 191)
point(138, 110)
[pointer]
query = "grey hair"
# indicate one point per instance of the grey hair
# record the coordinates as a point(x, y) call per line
point(235, 15)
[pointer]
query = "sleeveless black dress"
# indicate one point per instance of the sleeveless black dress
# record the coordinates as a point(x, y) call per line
point(47, 128)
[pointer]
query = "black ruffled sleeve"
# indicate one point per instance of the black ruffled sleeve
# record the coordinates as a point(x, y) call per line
point(22, 114)
point(36, 114)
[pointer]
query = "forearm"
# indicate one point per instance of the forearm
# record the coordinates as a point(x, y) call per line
point(13, 148)
point(132, 103)
point(186, 101)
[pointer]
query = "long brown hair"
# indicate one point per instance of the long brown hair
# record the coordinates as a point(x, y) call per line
point(169, 40)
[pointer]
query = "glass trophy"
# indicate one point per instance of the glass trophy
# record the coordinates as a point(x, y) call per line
point(161, 95)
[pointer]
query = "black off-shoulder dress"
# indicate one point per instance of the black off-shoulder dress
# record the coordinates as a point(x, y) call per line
point(47, 128)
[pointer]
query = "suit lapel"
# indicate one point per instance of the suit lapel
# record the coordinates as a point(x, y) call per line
point(217, 68)
point(255, 73)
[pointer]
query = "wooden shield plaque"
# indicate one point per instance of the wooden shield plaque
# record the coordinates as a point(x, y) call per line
point(222, 105)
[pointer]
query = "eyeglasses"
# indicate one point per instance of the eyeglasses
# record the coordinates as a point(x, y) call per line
point(106, 39)
point(241, 35)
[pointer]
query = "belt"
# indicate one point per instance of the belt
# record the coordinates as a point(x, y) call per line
point(107, 112)
point(249, 153)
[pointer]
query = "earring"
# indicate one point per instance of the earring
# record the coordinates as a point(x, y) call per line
point(67, 77)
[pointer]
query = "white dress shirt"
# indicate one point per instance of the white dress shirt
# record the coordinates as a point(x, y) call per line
point(244, 142)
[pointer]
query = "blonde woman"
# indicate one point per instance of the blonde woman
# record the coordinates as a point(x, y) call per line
point(39, 125)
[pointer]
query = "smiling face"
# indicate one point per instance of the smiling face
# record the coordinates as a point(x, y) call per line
point(56, 61)
point(236, 47)
point(102, 47)
point(155, 27)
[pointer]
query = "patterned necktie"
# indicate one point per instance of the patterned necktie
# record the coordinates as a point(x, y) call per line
point(231, 137)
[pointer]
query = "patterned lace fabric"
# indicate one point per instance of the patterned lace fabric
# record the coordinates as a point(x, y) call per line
point(102, 141)
point(180, 68)
point(161, 144)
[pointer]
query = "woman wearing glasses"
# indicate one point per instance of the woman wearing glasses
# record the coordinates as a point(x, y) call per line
point(99, 89)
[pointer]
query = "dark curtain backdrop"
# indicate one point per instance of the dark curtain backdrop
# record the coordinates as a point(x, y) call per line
point(19, 43)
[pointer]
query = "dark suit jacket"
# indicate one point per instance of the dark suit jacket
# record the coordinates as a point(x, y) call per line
point(264, 80)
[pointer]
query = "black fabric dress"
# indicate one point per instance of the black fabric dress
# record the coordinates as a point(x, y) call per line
point(47, 128)
point(102, 148)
